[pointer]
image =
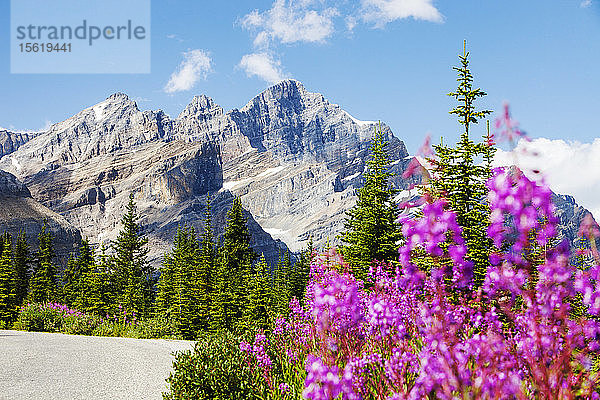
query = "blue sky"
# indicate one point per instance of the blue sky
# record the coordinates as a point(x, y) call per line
point(393, 65)
point(379, 59)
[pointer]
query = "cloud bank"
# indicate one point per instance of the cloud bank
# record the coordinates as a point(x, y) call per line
point(569, 167)
point(382, 12)
point(290, 22)
point(195, 66)
point(264, 66)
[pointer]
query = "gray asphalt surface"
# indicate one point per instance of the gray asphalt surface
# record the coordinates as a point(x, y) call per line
point(53, 366)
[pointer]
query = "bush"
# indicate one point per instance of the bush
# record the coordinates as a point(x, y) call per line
point(55, 317)
point(214, 369)
point(159, 327)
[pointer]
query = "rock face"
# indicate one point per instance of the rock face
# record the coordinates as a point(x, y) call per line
point(306, 162)
point(294, 158)
point(570, 215)
point(11, 141)
point(21, 213)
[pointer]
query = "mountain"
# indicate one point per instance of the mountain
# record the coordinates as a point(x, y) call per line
point(19, 212)
point(293, 157)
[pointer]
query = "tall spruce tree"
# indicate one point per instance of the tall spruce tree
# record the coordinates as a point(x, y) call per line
point(261, 298)
point(281, 283)
point(235, 267)
point(134, 276)
point(371, 228)
point(300, 272)
point(7, 282)
point(206, 271)
point(178, 296)
point(459, 174)
point(43, 284)
point(78, 278)
point(103, 285)
point(21, 267)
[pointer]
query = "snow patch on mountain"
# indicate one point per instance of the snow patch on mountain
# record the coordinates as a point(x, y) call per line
point(99, 111)
point(16, 164)
point(359, 122)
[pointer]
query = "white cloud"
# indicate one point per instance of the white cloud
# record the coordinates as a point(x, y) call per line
point(172, 36)
point(350, 23)
point(196, 65)
point(585, 3)
point(263, 66)
point(381, 12)
point(290, 21)
point(568, 167)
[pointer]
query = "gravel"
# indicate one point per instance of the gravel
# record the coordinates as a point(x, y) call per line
point(53, 366)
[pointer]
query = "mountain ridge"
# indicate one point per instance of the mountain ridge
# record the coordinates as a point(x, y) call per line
point(295, 159)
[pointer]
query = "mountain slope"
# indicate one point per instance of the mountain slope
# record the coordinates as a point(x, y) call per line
point(294, 158)
point(21, 213)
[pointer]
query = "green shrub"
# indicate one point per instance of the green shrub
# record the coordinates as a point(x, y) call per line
point(214, 369)
point(39, 318)
point(158, 327)
point(79, 325)
point(54, 317)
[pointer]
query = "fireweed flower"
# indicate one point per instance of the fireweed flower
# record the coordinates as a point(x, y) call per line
point(284, 387)
point(512, 196)
point(508, 128)
point(410, 335)
point(324, 382)
point(430, 233)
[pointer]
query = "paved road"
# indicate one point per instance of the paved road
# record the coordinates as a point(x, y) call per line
point(53, 366)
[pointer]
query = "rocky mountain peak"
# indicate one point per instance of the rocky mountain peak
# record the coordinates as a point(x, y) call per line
point(115, 106)
point(118, 96)
point(286, 88)
point(289, 92)
point(201, 106)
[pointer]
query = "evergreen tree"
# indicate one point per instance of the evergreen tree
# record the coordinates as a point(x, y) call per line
point(69, 288)
point(206, 272)
point(21, 268)
point(78, 278)
point(43, 285)
point(280, 283)
point(102, 293)
point(178, 296)
point(235, 266)
point(134, 276)
point(459, 176)
point(371, 231)
point(7, 282)
point(300, 272)
point(261, 300)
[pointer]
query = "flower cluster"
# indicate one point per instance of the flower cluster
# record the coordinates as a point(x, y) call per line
point(410, 334)
point(258, 350)
point(519, 203)
point(62, 309)
point(323, 382)
point(431, 233)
